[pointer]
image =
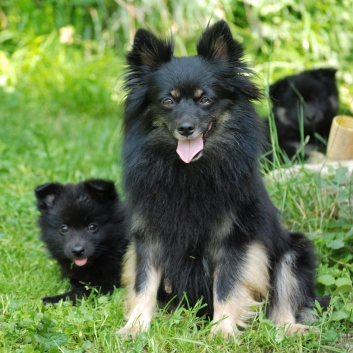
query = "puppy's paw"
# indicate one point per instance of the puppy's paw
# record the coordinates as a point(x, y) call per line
point(52, 300)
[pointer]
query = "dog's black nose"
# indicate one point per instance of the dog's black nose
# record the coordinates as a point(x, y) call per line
point(78, 251)
point(186, 129)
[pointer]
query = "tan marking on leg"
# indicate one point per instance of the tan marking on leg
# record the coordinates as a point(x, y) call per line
point(140, 306)
point(255, 273)
point(128, 277)
point(288, 294)
point(247, 293)
point(233, 312)
point(285, 285)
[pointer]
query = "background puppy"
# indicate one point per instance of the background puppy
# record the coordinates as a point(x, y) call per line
point(307, 101)
point(83, 228)
point(201, 219)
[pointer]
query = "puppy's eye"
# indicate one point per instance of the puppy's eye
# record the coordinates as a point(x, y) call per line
point(63, 229)
point(92, 227)
point(167, 102)
point(205, 100)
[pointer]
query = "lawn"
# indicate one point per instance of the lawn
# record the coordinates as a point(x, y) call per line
point(61, 118)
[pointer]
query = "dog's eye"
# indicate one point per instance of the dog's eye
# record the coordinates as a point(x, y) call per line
point(205, 100)
point(92, 227)
point(64, 229)
point(168, 101)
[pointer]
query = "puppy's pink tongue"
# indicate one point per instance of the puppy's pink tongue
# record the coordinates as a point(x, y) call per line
point(188, 149)
point(80, 262)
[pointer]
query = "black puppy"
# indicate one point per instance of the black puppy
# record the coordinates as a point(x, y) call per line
point(83, 227)
point(311, 96)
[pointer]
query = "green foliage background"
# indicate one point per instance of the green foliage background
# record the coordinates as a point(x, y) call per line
point(60, 120)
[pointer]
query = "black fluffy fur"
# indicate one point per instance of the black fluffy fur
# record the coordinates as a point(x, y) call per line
point(79, 206)
point(312, 95)
point(178, 210)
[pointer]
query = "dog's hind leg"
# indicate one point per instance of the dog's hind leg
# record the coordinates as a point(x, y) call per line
point(293, 285)
point(141, 279)
point(286, 296)
point(241, 281)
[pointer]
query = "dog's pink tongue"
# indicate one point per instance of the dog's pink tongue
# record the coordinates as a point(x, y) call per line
point(80, 262)
point(188, 149)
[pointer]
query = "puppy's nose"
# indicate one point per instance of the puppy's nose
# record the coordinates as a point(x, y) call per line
point(186, 129)
point(78, 251)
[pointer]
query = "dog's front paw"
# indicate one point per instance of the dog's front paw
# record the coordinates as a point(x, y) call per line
point(296, 328)
point(226, 328)
point(132, 331)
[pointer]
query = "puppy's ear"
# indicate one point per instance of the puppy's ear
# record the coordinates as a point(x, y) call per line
point(101, 190)
point(149, 51)
point(325, 73)
point(216, 42)
point(46, 195)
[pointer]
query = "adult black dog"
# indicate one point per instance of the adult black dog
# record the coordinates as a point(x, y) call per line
point(83, 227)
point(304, 106)
point(201, 219)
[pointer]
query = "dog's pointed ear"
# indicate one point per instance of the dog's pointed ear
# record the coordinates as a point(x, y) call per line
point(217, 42)
point(149, 51)
point(101, 190)
point(325, 73)
point(46, 195)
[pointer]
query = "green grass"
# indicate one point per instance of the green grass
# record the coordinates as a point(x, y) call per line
point(37, 146)
point(60, 120)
